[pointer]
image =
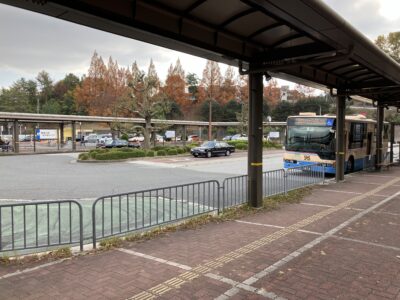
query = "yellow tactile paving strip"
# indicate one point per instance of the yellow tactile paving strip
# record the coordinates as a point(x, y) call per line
point(178, 281)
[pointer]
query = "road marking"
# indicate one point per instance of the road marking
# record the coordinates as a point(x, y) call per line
point(160, 260)
point(335, 191)
point(370, 183)
point(196, 272)
point(187, 268)
point(33, 269)
point(47, 200)
point(331, 233)
point(324, 205)
point(382, 176)
point(335, 236)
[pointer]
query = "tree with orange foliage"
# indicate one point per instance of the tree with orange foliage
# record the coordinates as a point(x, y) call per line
point(229, 86)
point(303, 91)
point(175, 85)
point(272, 92)
point(210, 88)
point(102, 88)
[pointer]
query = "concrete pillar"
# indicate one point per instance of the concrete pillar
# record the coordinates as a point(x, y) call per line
point(254, 196)
point(379, 131)
point(73, 129)
point(392, 127)
point(62, 134)
point(340, 137)
point(15, 136)
point(184, 135)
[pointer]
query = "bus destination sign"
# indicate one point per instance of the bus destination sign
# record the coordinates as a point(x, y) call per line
point(311, 122)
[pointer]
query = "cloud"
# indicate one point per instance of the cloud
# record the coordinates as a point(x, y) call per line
point(371, 17)
point(31, 42)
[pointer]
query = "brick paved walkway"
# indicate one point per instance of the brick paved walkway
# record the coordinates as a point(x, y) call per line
point(342, 241)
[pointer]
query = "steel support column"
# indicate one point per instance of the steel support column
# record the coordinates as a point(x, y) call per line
point(340, 137)
point(184, 135)
point(254, 196)
point(73, 129)
point(15, 137)
point(62, 134)
point(392, 127)
point(379, 131)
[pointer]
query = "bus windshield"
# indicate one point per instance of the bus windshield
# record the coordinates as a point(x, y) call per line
point(316, 139)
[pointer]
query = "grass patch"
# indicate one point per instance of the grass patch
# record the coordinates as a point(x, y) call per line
point(5, 260)
point(56, 254)
point(110, 243)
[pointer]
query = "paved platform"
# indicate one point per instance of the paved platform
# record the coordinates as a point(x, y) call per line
point(341, 242)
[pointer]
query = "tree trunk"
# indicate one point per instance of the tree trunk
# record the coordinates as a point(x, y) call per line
point(146, 132)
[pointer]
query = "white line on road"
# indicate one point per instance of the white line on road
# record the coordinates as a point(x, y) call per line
point(33, 269)
point(220, 278)
point(336, 191)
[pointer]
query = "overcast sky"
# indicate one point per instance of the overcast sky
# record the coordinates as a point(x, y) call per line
point(31, 42)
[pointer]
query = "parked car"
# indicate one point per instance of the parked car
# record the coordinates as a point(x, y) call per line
point(102, 142)
point(159, 138)
point(193, 138)
point(91, 138)
point(103, 138)
point(239, 137)
point(227, 138)
point(134, 144)
point(212, 148)
point(136, 138)
point(116, 143)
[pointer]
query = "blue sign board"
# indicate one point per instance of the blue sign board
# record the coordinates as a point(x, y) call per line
point(329, 122)
point(37, 132)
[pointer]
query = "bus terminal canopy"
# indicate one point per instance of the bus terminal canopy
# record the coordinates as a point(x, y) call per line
point(300, 40)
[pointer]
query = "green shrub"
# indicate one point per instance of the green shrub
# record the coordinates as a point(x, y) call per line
point(113, 155)
point(124, 137)
point(140, 153)
point(241, 146)
point(161, 153)
point(180, 150)
point(269, 144)
point(156, 148)
point(125, 149)
point(84, 156)
point(172, 152)
point(150, 153)
point(192, 145)
point(187, 148)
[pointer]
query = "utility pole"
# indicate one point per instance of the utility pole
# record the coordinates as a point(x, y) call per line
point(209, 120)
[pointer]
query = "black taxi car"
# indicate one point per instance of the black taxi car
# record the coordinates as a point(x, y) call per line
point(212, 148)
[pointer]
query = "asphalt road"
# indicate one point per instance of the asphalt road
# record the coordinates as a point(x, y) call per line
point(59, 176)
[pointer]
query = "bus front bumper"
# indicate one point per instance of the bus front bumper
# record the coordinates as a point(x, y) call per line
point(322, 167)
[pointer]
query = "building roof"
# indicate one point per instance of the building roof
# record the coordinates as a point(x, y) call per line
point(300, 40)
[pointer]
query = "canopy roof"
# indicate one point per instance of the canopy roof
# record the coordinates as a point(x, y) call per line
point(300, 40)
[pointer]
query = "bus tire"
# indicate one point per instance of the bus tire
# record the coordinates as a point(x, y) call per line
point(350, 165)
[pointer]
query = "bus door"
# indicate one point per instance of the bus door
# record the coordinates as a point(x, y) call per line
point(369, 143)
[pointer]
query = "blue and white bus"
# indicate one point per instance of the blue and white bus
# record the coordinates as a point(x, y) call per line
point(311, 139)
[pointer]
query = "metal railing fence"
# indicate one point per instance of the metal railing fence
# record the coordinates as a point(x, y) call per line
point(299, 177)
point(274, 182)
point(35, 225)
point(122, 213)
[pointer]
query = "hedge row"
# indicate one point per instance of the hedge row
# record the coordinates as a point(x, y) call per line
point(243, 145)
point(124, 153)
